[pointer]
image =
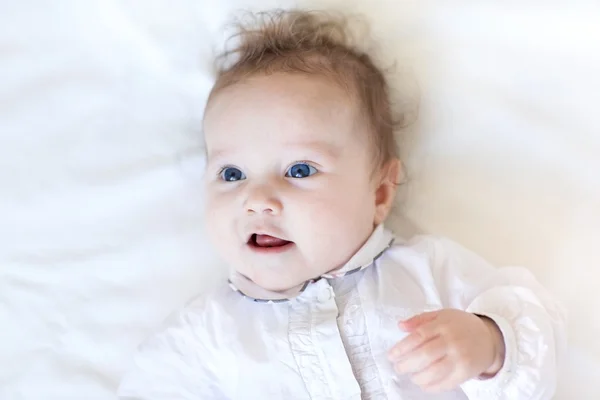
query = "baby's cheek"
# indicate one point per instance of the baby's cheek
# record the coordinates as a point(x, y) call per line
point(211, 221)
point(217, 223)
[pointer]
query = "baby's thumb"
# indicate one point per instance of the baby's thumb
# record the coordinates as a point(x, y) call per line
point(413, 323)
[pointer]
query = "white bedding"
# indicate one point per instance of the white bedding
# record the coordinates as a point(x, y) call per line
point(100, 165)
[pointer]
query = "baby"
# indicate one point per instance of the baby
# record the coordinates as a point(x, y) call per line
point(323, 302)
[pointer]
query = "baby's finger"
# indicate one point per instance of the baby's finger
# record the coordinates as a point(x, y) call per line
point(451, 377)
point(417, 338)
point(434, 378)
point(421, 358)
point(413, 323)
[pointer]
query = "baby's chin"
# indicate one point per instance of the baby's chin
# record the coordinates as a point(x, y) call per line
point(275, 282)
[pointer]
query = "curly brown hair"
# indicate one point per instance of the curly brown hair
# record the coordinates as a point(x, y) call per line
point(312, 42)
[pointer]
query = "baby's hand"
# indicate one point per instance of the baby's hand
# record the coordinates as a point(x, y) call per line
point(448, 347)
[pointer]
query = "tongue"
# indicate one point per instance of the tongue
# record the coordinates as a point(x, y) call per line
point(269, 241)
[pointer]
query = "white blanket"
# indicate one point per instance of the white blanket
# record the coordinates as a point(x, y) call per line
point(101, 232)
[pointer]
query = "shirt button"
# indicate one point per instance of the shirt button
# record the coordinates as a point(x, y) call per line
point(325, 295)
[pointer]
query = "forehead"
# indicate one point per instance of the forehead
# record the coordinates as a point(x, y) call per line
point(290, 109)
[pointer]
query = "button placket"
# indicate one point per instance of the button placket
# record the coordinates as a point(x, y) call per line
point(317, 345)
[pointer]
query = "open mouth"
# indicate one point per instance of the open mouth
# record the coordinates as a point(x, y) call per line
point(268, 243)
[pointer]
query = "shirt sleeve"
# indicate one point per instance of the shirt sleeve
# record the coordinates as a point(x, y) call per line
point(531, 321)
point(173, 364)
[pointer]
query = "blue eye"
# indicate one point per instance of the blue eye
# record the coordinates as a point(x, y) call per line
point(232, 174)
point(300, 170)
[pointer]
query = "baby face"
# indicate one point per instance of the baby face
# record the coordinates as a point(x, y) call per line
point(289, 178)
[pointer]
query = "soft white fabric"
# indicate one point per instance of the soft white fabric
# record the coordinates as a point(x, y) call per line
point(331, 341)
point(101, 229)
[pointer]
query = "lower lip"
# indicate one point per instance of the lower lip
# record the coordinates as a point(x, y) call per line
point(271, 250)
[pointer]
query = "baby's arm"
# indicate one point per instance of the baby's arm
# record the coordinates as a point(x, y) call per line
point(172, 365)
point(507, 300)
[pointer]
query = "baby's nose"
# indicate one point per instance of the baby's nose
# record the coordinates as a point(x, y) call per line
point(262, 200)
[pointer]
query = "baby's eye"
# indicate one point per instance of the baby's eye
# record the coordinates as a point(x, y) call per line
point(232, 174)
point(300, 170)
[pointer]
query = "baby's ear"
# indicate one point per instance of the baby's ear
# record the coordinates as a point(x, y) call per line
point(390, 176)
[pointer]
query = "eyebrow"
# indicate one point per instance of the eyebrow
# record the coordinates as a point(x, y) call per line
point(328, 149)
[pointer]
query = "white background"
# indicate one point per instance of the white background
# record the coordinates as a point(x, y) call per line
point(101, 232)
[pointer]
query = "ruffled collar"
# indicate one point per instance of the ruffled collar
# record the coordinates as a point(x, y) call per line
point(380, 240)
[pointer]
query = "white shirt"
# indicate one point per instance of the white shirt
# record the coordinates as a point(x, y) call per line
point(331, 340)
